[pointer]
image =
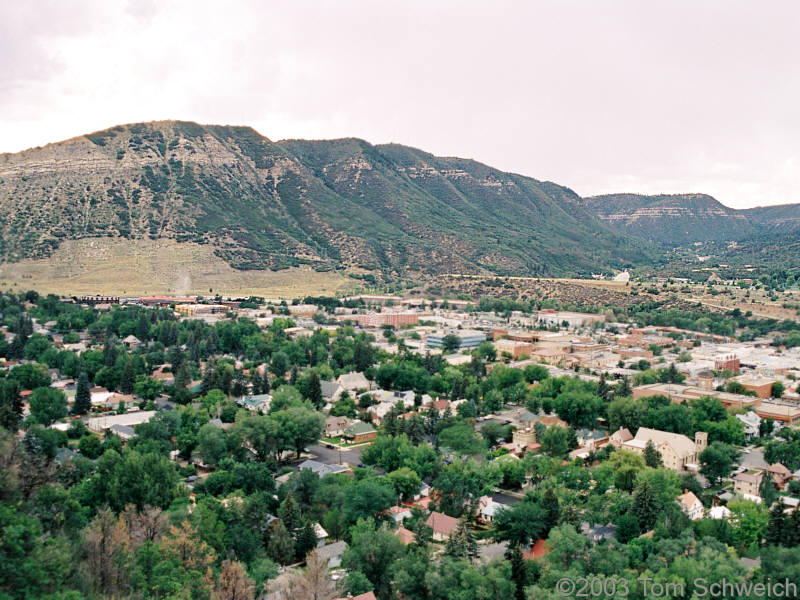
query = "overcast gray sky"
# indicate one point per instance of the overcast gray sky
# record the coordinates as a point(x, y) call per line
point(601, 96)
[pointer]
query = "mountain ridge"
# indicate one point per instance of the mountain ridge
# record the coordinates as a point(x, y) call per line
point(328, 203)
point(681, 219)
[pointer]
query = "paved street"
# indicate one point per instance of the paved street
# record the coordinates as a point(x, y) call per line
point(351, 456)
point(755, 459)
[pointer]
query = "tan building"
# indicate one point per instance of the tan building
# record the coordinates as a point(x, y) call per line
point(678, 452)
point(679, 394)
point(779, 410)
point(759, 384)
point(514, 348)
point(443, 525)
point(551, 355)
point(619, 437)
point(395, 319)
point(748, 483)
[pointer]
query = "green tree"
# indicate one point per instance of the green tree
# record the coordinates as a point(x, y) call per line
point(521, 524)
point(47, 405)
point(281, 545)
point(767, 490)
point(289, 514)
point(717, 460)
point(534, 373)
point(652, 457)
point(313, 390)
point(518, 572)
point(356, 583)
point(90, 446)
point(127, 380)
point(10, 404)
point(461, 544)
point(406, 482)
point(461, 439)
point(300, 425)
point(556, 441)
point(749, 520)
point(211, 444)
point(367, 498)
point(552, 509)
point(645, 506)
point(776, 526)
point(83, 396)
point(450, 343)
point(306, 540)
point(626, 527)
point(147, 387)
point(373, 551)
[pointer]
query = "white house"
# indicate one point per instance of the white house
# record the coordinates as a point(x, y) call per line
point(719, 512)
point(752, 424)
point(488, 509)
point(691, 506)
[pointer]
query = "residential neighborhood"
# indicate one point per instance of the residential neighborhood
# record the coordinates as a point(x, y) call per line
point(461, 433)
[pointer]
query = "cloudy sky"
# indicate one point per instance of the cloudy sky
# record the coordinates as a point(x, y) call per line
point(602, 96)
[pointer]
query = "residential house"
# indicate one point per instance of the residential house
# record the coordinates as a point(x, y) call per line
point(321, 534)
point(598, 533)
point(690, 505)
point(108, 420)
point(257, 402)
point(592, 439)
point(359, 431)
point(380, 410)
point(443, 525)
point(620, 437)
point(488, 509)
point(752, 424)
point(166, 378)
point(398, 513)
point(440, 406)
point(781, 476)
point(100, 395)
point(404, 535)
point(537, 550)
point(719, 512)
point(748, 483)
point(365, 596)
point(335, 426)
point(124, 432)
point(131, 342)
point(353, 381)
point(332, 553)
point(331, 391)
point(322, 469)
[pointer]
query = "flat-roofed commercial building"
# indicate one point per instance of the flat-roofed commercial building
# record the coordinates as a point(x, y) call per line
point(395, 319)
point(467, 338)
point(779, 410)
point(679, 393)
point(572, 319)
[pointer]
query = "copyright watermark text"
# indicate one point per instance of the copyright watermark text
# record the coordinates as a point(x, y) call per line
point(617, 587)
